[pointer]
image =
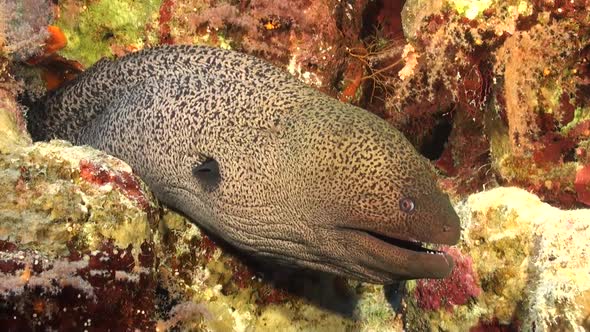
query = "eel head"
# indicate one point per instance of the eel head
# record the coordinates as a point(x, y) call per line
point(379, 214)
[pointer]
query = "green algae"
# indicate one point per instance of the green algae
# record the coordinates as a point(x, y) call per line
point(94, 28)
point(581, 114)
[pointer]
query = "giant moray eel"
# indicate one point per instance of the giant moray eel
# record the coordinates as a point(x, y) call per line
point(275, 168)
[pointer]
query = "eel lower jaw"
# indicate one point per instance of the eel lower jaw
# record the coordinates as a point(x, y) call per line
point(406, 259)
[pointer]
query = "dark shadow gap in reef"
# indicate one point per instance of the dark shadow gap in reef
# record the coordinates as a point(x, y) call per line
point(382, 17)
point(434, 145)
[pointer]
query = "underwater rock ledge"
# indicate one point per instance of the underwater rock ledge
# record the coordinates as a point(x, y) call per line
point(524, 266)
point(76, 240)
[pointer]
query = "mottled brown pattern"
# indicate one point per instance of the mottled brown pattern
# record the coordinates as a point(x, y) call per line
point(304, 177)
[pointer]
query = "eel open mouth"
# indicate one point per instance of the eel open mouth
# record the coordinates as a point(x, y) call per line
point(393, 258)
point(405, 244)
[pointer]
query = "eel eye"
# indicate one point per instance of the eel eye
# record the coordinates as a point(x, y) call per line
point(407, 204)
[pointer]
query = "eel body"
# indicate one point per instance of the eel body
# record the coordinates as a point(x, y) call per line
point(275, 168)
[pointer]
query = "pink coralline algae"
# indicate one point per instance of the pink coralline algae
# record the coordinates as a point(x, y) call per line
point(456, 289)
point(126, 182)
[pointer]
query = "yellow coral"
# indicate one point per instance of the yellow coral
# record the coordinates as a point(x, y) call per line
point(471, 8)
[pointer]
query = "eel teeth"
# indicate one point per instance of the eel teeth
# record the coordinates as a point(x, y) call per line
point(409, 244)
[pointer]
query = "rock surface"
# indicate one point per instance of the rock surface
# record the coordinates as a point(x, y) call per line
point(83, 244)
point(528, 269)
point(76, 240)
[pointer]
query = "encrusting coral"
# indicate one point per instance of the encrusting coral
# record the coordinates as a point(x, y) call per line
point(526, 268)
point(73, 249)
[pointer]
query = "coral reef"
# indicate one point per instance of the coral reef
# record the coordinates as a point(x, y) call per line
point(100, 290)
point(193, 269)
point(82, 245)
point(85, 246)
point(310, 39)
point(74, 253)
point(307, 37)
point(494, 93)
point(50, 197)
point(527, 269)
point(516, 71)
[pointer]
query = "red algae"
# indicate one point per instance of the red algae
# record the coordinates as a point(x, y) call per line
point(552, 148)
point(582, 184)
point(207, 247)
point(96, 290)
point(126, 182)
point(242, 276)
point(164, 22)
point(456, 289)
point(268, 294)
